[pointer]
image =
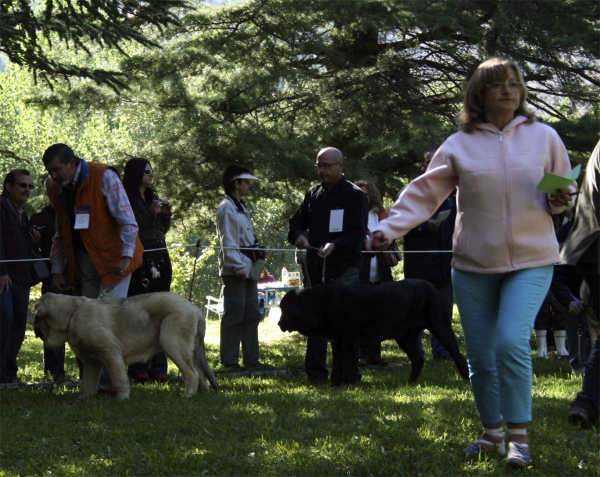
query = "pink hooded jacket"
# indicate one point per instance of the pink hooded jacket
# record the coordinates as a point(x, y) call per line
point(503, 223)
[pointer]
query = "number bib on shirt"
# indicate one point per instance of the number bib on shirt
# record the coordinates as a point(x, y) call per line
point(82, 217)
point(336, 220)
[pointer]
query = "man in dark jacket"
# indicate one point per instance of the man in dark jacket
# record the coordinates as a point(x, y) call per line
point(582, 249)
point(434, 267)
point(16, 243)
point(45, 221)
point(331, 224)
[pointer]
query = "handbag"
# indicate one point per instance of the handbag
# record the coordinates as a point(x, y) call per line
point(254, 252)
point(257, 267)
point(155, 268)
point(39, 271)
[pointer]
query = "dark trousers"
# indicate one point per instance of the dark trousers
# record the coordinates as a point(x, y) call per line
point(54, 359)
point(240, 320)
point(549, 317)
point(445, 288)
point(589, 396)
point(589, 272)
point(316, 346)
point(13, 320)
point(577, 340)
point(54, 362)
point(158, 363)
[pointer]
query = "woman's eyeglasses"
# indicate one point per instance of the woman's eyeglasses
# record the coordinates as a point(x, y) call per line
point(497, 85)
point(24, 185)
point(147, 172)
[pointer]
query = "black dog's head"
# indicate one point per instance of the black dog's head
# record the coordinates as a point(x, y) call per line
point(289, 312)
point(300, 312)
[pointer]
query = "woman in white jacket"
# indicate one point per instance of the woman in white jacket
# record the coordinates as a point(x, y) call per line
point(240, 295)
point(504, 245)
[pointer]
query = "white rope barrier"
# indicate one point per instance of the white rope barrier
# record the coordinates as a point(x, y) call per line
point(215, 247)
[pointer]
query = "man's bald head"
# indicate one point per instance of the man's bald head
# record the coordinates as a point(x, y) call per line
point(329, 164)
point(331, 155)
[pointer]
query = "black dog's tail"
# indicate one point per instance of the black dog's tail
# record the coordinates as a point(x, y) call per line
point(439, 327)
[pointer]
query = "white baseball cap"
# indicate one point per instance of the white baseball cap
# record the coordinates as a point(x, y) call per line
point(246, 176)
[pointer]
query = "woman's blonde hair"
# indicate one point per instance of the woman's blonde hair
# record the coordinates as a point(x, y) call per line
point(490, 71)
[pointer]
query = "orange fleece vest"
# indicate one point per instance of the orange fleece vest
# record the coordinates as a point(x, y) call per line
point(102, 240)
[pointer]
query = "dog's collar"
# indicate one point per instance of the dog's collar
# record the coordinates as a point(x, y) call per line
point(73, 314)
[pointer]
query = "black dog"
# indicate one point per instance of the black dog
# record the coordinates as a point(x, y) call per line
point(346, 314)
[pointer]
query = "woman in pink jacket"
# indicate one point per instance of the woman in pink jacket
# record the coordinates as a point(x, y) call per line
point(504, 244)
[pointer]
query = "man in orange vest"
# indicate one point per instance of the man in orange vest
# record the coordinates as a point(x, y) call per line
point(96, 245)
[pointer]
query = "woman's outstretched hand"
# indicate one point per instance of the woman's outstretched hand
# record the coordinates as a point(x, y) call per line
point(377, 241)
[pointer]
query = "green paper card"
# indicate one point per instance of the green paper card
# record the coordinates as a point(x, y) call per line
point(551, 182)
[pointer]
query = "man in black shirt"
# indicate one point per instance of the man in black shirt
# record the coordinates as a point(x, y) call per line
point(331, 224)
point(45, 220)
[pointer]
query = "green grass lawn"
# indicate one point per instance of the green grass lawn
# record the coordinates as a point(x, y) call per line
point(278, 425)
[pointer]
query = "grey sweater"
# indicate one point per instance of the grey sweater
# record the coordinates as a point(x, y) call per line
point(234, 230)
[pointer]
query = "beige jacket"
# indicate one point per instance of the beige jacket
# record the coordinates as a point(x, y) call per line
point(503, 223)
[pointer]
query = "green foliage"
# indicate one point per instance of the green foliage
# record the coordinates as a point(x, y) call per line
point(266, 84)
point(30, 30)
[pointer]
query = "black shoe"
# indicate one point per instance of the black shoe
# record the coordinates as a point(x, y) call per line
point(141, 378)
point(580, 417)
point(234, 367)
point(159, 377)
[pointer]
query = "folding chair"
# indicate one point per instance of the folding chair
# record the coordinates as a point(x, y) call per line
point(215, 304)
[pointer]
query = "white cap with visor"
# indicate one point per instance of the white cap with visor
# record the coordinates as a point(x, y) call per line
point(246, 176)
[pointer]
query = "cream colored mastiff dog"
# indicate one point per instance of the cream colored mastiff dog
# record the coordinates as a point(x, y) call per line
point(115, 332)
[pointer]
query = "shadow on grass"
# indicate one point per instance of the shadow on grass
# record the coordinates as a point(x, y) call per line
point(274, 427)
point(282, 426)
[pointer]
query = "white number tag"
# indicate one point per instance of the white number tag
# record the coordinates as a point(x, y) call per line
point(82, 217)
point(336, 220)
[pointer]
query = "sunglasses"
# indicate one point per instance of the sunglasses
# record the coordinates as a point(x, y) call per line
point(148, 172)
point(24, 185)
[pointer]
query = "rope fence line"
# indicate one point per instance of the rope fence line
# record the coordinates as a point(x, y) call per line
point(215, 247)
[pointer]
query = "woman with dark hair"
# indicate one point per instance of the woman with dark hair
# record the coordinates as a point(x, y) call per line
point(153, 216)
point(241, 316)
point(504, 246)
point(375, 268)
